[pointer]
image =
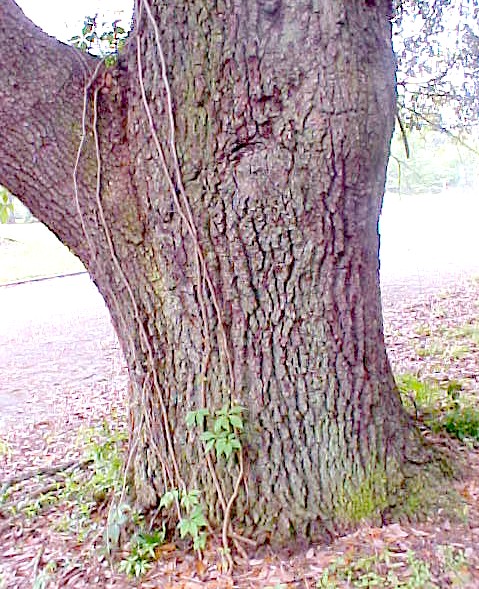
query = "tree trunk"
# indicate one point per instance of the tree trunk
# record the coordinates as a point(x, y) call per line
point(226, 204)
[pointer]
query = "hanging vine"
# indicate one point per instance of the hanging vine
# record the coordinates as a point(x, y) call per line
point(226, 423)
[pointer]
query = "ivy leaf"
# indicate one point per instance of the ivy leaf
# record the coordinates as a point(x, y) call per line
point(199, 543)
point(209, 445)
point(187, 526)
point(236, 421)
point(197, 417)
point(190, 499)
point(223, 411)
point(226, 445)
point(190, 419)
point(222, 423)
point(198, 517)
point(235, 444)
point(236, 410)
point(168, 498)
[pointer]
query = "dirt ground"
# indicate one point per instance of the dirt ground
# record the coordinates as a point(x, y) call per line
point(58, 379)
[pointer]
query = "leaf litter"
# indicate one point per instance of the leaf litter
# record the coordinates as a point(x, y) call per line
point(34, 552)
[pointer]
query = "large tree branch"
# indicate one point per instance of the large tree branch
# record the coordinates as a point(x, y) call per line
point(41, 105)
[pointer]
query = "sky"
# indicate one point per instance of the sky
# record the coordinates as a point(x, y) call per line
point(65, 19)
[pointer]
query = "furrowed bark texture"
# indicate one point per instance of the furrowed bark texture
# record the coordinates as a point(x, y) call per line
point(283, 117)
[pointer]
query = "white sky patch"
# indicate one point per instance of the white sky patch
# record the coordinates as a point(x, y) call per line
point(63, 19)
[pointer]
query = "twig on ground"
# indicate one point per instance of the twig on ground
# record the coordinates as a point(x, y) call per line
point(43, 471)
point(37, 561)
point(36, 493)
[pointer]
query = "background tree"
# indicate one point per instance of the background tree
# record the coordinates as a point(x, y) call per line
point(222, 184)
point(438, 163)
point(437, 48)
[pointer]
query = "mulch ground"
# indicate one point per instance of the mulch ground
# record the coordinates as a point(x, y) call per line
point(425, 337)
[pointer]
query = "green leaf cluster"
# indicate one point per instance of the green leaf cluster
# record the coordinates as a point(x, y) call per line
point(6, 205)
point(442, 406)
point(194, 522)
point(108, 39)
point(223, 428)
point(142, 553)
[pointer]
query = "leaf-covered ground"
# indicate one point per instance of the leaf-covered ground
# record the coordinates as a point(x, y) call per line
point(52, 526)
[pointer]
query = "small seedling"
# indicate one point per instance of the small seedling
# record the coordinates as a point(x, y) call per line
point(142, 553)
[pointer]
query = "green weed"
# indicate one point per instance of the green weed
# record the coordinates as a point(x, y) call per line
point(43, 577)
point(470, 331)
point(433, 349)
point(194, 522)
point(5, 448)
point(457, 352)
point(418, 393)
point(444, 407)
point(83, 495)
point(462, 423)
point(142, 553)
point(423, 330)
point(388, 570)
point(454, 559)
point(222, 428)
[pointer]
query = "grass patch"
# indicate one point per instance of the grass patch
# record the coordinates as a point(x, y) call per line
point(434, 349)
point(82, 493)
point(394, 570)
point(469, 331)
point(32, 251)
point(83, 498)
point(462, 423)
point(443, 407)
point(448, 344)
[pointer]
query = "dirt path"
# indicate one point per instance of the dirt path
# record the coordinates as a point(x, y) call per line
point(58, 350)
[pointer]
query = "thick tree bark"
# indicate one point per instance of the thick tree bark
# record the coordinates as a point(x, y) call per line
point(244, 268)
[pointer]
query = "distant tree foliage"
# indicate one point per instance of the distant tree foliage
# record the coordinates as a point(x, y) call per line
point(437, 47)
point(437, 163)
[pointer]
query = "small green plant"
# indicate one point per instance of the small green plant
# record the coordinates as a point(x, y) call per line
point(424, 394)
point(444, 407)
point(32, 508)
point(43, 577)
point(432, 350)
point(454, 559)
point(194, 523)
point(6, 205)
point(331, 574)
point(457, 352)
point(107, 40)
point(423, 330)
point(118, 517)
point(462, 423)
point(142, 553)
point(5, 448)
point(469, 331)
point(82, 496)
point(377, 570)
point(222, 436)
point(220, 432)
point(420, 574)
